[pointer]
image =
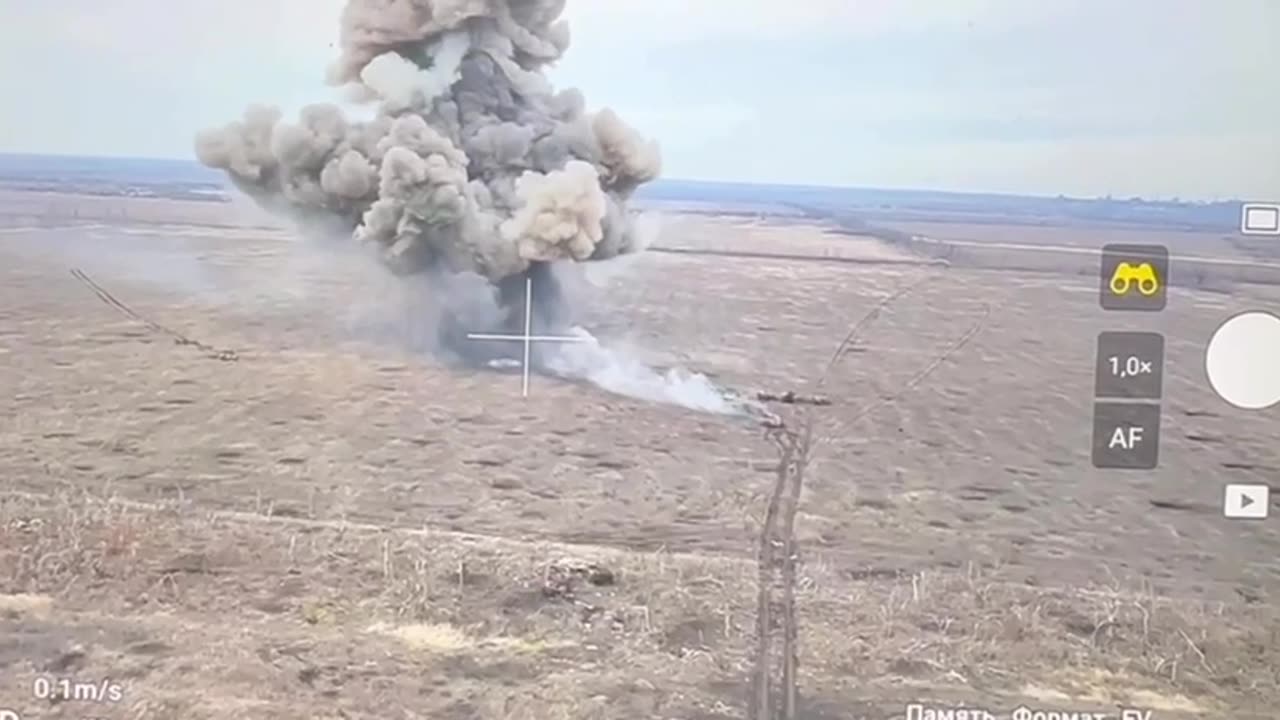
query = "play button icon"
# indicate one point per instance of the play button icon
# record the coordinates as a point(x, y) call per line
point(1247, 502)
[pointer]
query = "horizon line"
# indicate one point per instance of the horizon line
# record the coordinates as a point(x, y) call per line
point(740, 183)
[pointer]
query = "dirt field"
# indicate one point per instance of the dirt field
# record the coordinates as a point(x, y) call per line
point(334, 525)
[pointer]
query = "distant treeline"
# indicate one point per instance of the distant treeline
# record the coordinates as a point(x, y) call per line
point(850, 207)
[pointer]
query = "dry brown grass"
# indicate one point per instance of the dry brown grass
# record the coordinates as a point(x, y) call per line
point(956, 547)
point(149, 593)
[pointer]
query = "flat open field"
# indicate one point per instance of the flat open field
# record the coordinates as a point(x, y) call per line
point(335, 525)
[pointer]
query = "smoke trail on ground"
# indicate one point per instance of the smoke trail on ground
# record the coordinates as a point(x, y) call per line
point(616, 372)
point(474, 175)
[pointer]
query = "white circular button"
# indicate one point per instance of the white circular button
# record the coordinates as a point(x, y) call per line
point(1243, 360)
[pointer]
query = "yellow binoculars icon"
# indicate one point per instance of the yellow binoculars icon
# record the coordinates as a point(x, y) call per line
point(1125, 275)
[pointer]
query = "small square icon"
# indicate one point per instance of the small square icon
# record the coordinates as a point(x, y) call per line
point(1134, 277)
point(1130, 366)
point(1126, 436)
point(1260, 219)
point(1247, 502)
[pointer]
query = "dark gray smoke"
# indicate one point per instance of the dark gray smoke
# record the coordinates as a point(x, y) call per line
point(472, 168)
point(473, 162)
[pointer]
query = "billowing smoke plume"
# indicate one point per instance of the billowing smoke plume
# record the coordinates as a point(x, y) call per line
point(473, 168)
point(473, 162)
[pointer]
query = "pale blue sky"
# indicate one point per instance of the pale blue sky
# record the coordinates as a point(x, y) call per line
point(1149, 97)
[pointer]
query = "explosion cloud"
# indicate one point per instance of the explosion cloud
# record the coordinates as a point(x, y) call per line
point(473, 162)
point(472, 169)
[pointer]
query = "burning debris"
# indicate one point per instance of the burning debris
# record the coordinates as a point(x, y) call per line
point(472, 162)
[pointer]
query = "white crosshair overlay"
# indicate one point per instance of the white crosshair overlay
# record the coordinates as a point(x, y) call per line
point(527, 338)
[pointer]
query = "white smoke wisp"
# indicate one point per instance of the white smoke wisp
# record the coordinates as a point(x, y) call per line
point(402, 84)
point(622, 375)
